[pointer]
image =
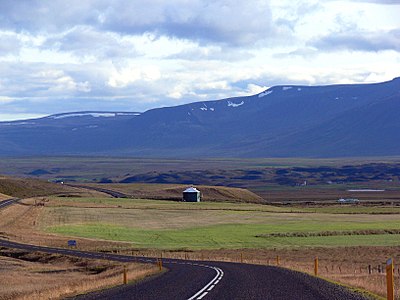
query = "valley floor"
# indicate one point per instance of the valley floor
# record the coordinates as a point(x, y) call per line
point(347, 239)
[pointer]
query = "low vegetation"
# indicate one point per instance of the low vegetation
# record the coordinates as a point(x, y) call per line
point(35, 275)
point(4, 197)
point(24, 188)
point(169, 225)
point(174, 192)
point(333, 233)
point(274, 180)
point(346, 238)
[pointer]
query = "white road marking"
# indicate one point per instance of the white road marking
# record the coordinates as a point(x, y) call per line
point(200, 294)
point(201, 297)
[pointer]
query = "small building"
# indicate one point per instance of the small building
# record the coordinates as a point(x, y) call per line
point(191, 195)
point(348, 200)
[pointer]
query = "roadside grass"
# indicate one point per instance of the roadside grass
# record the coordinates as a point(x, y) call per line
point(4, 197)
point(35, 275)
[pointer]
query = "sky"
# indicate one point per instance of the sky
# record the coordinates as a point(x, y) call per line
point(133, 55)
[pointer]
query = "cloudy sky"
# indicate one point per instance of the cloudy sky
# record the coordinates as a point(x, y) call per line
point(133, 55)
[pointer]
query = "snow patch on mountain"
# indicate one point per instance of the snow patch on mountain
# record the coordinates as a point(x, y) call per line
point(74, 115)
point(128, 114)
point(232, 104)
point(285, 88)
point(17, 123)
point(263, 94)
point(92, 114)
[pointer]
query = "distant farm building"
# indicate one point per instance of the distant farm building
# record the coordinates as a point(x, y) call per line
point(348, 200)
point(191, 195)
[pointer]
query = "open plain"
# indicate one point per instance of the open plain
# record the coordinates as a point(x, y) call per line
point(271, 219)
point(346, 241)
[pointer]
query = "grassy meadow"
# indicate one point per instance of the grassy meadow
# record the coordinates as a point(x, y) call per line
point(193, 226)
point(346, 238)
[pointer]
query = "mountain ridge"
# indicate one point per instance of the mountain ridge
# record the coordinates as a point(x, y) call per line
point(283, 121)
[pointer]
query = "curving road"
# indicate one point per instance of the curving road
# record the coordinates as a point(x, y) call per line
point(112, 193)
point(209, 280)
point(8, 202)
point(192, 280)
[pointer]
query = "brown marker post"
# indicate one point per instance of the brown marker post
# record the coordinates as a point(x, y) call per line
point(390, 279)
point(125, 276)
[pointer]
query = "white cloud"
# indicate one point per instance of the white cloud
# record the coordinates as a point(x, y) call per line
point(134, 56)
point(255, 89)
point(9, 43)
point(57, 81)
point(122, 77)
point(4, 99)
point(361, 41)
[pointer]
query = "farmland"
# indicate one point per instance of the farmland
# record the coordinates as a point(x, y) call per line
point(269, 218)
point(154, 224)
point(346, 239)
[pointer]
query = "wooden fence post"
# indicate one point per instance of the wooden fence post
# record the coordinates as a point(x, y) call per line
point(389, 279)
point(159, 262)
point(316, 266)
point(125, 276)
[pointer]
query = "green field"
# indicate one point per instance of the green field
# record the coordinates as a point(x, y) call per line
point(174, 225)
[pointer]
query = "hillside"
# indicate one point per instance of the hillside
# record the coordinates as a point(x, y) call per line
point(3, 197)
point(26, 187)
point(351, 120)
point(174, 192)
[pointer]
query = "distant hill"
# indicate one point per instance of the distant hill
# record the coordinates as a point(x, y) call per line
point(174, 192)
point(26, 187)
point(283, 121)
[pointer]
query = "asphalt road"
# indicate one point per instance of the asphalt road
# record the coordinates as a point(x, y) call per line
point(8, 202)
point(192, 280)
point(112, 193)
point(209, 280)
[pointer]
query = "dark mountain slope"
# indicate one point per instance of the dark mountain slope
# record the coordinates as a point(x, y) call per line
point(303, 121)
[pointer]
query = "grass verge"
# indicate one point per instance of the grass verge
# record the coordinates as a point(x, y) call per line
point(51, 276)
